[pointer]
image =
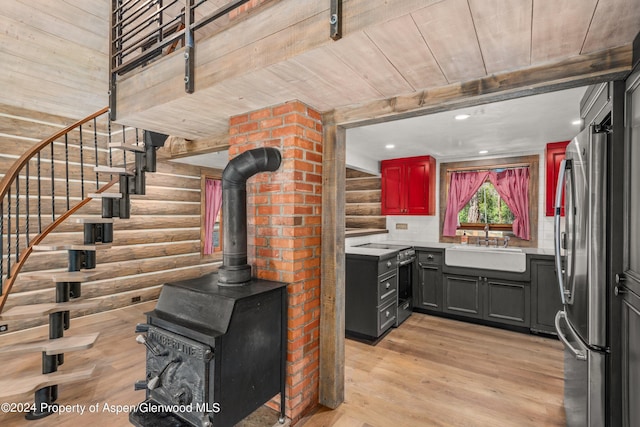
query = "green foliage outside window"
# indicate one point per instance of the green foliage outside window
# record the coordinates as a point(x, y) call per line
point(486, 207)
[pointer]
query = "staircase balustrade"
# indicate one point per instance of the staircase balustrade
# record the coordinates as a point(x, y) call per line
point(19, 245)
point(50, 170)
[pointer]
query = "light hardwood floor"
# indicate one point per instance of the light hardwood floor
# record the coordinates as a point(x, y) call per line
point(439, 372)
point(429, 372)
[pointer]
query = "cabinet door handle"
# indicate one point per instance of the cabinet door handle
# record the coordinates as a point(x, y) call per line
point(429, 256)
point(388, 263)
point(388, 313)
point(619, 288)
point(388, 285)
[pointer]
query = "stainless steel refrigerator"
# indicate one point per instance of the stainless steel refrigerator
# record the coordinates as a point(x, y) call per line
point(580, 249)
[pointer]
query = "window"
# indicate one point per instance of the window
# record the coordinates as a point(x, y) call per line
point(486, 207)
point(473, 192)
point(212, 216)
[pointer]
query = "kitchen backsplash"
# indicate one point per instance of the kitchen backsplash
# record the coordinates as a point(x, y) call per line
point(425, 229)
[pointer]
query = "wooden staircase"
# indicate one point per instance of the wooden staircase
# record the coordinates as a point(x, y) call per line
point(362, 208)
point(81, 260)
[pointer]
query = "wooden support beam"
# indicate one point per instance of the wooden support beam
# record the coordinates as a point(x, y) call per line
point(332, 292)
point(180, 147)
point(578, 71)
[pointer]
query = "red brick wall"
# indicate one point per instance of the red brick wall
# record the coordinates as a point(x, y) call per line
point(284, 214)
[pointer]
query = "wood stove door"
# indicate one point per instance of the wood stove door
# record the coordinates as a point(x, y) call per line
point(179, 375)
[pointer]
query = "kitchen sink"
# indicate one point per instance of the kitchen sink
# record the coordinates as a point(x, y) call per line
point(489, 258)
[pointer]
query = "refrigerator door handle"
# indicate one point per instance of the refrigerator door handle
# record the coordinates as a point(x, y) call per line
point(580, 355)
point(556, 227)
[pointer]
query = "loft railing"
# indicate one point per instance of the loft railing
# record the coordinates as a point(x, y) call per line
point(52, 180)
point(142, 30)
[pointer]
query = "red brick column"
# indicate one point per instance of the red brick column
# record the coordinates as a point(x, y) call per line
point(284, 214)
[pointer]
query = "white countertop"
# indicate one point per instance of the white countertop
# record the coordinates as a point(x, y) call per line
point(422, 244)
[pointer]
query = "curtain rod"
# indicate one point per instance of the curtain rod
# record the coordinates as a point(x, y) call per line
point(488, 168)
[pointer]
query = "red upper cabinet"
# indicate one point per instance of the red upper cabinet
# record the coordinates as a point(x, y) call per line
point(408, 186)
point(554, 154)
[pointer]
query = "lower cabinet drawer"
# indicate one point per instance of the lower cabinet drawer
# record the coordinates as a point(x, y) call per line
point(387, 288)
point(387, 316)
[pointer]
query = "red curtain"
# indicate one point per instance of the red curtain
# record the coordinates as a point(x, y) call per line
point(513, 187)
point(462, 187)
point(213, 203)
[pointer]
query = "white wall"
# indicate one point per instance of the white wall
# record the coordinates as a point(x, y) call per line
point(360, 162)
point(426, 228)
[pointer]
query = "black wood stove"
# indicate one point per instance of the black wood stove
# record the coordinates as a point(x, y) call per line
point(216, 345)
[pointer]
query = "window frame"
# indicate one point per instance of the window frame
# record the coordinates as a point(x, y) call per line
point(530, 161)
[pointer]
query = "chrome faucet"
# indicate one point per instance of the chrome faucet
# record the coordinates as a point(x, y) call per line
point(506, 241)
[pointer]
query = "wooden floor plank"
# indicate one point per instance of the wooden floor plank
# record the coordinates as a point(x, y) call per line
point(429, 372)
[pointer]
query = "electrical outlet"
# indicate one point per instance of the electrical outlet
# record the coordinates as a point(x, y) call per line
point(4, 328)
point(402, 226)
point(135, 299)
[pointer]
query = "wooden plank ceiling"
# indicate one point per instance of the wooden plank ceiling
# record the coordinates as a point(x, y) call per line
point(281, 51)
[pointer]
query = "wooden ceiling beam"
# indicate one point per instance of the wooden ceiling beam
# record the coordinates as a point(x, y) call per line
point(577, 71)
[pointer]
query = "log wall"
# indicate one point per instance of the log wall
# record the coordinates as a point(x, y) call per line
point(159, 243)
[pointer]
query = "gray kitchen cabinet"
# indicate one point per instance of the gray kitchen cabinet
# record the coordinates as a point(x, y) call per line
point(630, 359)
point(463, 295)
point(371, 295)
point(545, 301)
point(427, 286)
point(488, 298)
point(626, 277)
point(507, 302)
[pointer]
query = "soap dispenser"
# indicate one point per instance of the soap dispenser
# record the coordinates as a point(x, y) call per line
point(464, 239)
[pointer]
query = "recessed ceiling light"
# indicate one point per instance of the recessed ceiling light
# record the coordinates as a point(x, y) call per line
point(462, 117)
point(577, 122)
point(389, 146)
point(483, 151)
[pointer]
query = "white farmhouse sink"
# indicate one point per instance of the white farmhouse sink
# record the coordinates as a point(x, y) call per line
point(503, 259)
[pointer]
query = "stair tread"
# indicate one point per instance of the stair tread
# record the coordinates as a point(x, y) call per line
point(93, 220)
point(69, 246)
point(63, 276)
point(35, 310)
point(53, 346)
point(23, 385)
point(109, 169)
point(129, 147)
point(105, 195)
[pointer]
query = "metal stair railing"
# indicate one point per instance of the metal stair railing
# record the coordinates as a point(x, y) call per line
point(144, 30)
point(49, 161)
